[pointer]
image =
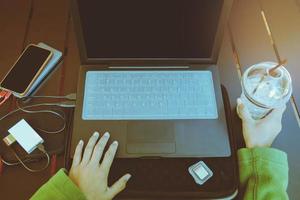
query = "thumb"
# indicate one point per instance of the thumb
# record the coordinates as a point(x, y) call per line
point(118, 186)
point(243, 111)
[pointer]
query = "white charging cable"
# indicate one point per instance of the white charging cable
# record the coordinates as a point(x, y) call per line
point(23, 162)
point(71, 96)
point(56, 113)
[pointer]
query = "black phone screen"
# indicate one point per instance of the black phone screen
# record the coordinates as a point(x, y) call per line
point(26, 68)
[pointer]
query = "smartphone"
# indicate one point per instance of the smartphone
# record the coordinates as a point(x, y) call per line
point(26, 70)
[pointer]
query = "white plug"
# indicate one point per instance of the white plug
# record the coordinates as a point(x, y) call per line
point(25, 135)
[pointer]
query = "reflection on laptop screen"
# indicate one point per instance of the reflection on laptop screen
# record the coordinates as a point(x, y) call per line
point(149, 28)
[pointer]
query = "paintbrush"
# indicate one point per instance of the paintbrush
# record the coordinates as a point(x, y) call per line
point(270, 72)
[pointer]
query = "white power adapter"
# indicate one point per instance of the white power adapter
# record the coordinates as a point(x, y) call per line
point(29, 140)
point(25, 135)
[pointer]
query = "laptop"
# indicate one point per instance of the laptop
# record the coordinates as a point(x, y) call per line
point(149, 77)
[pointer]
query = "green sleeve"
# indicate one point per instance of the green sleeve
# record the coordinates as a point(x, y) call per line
point(59, 187)
point(263, 173)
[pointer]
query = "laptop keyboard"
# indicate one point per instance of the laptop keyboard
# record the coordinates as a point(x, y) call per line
point(149, 95)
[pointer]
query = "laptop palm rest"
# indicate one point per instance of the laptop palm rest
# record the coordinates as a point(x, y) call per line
point(150, 137)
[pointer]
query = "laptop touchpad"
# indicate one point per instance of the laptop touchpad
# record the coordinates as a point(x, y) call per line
point(150, 137)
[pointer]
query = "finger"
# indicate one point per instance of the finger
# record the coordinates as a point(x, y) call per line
point(89, 148)
point(279, 111)
point(276, 113)
point(77, 154)
point(118, 186)
point(109, 157)
point(99, 148)
point(243, 111)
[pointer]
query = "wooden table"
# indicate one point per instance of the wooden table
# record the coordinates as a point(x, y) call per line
point(246, 42)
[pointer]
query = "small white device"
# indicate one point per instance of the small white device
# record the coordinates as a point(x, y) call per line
point(200, 172)
point(25, 135)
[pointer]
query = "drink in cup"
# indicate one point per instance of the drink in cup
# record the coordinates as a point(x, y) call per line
point(264, 89)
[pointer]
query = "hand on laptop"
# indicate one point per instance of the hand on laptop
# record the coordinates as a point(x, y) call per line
point(260, 133)
point(89, 175)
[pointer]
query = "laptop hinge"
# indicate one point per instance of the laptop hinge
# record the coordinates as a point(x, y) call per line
point(149, 67)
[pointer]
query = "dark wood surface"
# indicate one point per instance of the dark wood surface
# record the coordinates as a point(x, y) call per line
point(253, 45)
point(245, 43)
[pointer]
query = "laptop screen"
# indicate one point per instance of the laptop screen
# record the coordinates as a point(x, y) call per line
point(149, 28)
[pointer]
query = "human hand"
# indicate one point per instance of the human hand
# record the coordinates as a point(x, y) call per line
point(260, 133)
point(89, 175)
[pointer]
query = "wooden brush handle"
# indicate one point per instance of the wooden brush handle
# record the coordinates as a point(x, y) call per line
point(272, 70)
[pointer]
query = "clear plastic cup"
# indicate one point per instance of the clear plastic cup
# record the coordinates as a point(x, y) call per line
point(262, 92)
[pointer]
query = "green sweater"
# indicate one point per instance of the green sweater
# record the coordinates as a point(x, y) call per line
point(263, 175)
